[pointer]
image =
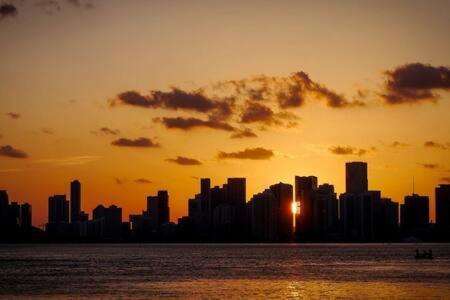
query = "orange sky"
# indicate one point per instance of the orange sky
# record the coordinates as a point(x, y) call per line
point(60, 70)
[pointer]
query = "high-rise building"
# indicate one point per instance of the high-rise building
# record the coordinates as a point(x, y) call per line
point(4, 203)
point(75, 201)
point(305, 188)
point(58, 210)
point(442, 193)
point(109, 220)
point(325, 212)
point(356, 177)
point(263, 216)
point(25, 218)
point(236, 191)
point(205, 194)
point(357, 215)
point(414, 213)
point(158, 208)
point(283, 194)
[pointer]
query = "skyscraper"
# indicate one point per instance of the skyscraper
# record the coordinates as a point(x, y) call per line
point(75, 201)
point(356, 177)
point(305, 187)
point(58, 210)
point(205, 195)
point(414, 213)
point(283, 194)
point(443, 205)
point(158, 208)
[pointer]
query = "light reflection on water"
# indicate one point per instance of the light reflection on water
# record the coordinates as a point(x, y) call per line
point(219, 271)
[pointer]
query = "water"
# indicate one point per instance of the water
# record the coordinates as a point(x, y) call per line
point(219, 271)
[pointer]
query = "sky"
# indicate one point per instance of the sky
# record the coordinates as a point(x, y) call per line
point(131, 97)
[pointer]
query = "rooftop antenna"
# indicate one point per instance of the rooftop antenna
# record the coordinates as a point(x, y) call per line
point(413, 185)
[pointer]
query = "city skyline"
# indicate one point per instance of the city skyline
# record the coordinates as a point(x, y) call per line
point(183, 91)
point(304, 212)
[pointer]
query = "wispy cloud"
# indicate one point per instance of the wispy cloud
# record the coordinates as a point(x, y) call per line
point(69, 161)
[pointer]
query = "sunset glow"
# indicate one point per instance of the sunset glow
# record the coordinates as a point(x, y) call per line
point(131, 105)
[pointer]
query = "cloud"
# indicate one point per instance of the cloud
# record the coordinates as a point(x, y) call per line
point(142, 181)
point(224, 105)
point(7, 10)
point(175, 99)
point(415, 83)
point(288, 92)
point(192, 123)
point(251, 153)
point(429, 166)
point(184, 161)
point(243, 133)
point(348, 150)
point(139, 142)
point(431, 144)
point(70, 161)
point(50, 6)
point(10, 151)
point(446, 179)
point(14, 116)
point(106, 131)
point(256, 112)
point(397, 144)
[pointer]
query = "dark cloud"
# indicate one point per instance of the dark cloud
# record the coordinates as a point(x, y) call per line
point(446, 179)
point(142, 181)
point(288, 92)
point(431, 144)
point(397, 144)
point(14, 116)
point(243, 133)
point(348, 150)
point(9, 151)
point(429, 166)
point(256, 112)
point(252, 153)
point(176, 99)
point(140, 142)
point(414, 83)
point(184, 161)
point(106, 131)
point(7, 10)
point(261, 100)
point(191, 123)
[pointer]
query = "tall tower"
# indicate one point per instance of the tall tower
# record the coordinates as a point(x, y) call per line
point(75, 201)
point(356, 177)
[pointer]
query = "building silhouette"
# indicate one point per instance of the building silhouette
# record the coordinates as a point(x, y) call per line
point(305, 192)
point(158, 208)
point(442, 193)
point(107, 222)
point(270, 214)
point(75, 201)
point(356, 177)
point(58, 216)
point(222, 213)
point(415, 212)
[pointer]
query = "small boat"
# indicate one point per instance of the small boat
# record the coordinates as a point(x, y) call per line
point(424, 255)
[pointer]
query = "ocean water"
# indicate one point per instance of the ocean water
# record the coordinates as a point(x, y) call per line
point(313, 271)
